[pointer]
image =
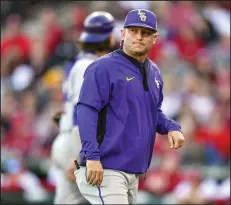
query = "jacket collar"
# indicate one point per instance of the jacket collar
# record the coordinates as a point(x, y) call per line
point(137, 63)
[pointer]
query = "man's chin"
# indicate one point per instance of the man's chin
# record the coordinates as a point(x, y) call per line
point(139, 53)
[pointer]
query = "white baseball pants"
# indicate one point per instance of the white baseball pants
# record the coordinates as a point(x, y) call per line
point(117, 187)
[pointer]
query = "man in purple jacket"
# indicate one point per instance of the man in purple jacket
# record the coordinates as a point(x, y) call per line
point(118, 115)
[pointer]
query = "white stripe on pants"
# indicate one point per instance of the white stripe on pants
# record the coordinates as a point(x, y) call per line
point(117, 187)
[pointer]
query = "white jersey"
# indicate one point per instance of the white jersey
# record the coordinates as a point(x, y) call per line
point(72, 86)
point(76, 76)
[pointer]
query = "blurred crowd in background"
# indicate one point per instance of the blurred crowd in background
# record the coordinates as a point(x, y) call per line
point(193, 53)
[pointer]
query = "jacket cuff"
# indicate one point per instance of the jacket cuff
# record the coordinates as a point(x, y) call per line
point(174, 128)
point(92, 155)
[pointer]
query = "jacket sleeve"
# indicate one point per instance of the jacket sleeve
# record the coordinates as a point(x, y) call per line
point(164, 124)
point(87, 118)
point(94, 96)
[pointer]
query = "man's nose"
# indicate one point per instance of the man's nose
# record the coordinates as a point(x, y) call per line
point(139, 35)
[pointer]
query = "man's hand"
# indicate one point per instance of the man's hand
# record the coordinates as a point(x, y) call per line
point(70, 171)
point(94, 172)
point(176, 139)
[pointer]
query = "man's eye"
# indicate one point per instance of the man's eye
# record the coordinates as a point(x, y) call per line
point(147, 33)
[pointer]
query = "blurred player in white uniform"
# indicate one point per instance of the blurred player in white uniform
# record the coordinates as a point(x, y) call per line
point(94, 42)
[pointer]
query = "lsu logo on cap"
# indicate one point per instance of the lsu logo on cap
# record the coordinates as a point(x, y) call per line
point(142, 15)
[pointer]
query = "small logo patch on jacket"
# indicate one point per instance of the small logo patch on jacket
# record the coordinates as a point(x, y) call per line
point(128, 79)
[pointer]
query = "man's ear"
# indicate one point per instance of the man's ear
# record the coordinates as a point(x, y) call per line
point(155, 38)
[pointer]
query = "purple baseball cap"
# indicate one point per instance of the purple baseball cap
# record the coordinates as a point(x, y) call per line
point(141, 18)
